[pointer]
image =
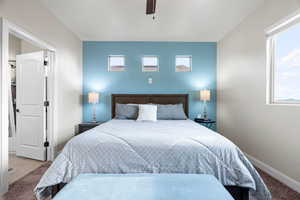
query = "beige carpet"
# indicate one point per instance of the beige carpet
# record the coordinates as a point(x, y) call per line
point(19, 167)
point(22, 189)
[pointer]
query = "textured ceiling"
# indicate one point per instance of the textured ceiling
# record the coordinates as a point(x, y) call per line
point(176, 20)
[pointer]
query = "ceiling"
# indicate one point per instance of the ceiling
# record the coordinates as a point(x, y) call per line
point(176, 20)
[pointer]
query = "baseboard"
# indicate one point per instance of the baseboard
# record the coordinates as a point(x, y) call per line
point(295, 185)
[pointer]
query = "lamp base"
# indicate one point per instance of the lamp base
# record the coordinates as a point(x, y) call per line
point(94, 114)
point(205, 116)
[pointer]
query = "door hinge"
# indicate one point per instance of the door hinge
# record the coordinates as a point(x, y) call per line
point(46, 144)
point(46, 103)
point(45, 62)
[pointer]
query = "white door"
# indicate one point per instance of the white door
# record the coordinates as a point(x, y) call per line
point(31, 113)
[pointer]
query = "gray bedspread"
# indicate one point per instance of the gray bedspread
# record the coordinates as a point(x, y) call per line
point(166, 146)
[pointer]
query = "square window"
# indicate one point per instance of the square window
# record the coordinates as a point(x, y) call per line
point(116, 63)
point(183, 64)
point(150, 64)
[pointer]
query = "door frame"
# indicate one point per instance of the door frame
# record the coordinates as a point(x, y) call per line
point(7, 28)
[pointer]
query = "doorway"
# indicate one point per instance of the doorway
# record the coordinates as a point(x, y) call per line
point(26, 114)
point(33, 111)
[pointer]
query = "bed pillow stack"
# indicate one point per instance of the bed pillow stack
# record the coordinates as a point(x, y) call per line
point(147, 113)
point(150, 112)
point(126, 111)
point(171, 112)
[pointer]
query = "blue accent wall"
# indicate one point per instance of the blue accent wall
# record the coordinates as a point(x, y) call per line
point(97, 78)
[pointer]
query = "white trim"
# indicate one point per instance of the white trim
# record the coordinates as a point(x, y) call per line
point(29, 37)
point(284, 23)
point(218, 89)
point(51, 111)
point(295, 185)
point(4, 106)
point(284, 104)
point(5, 29)
point(270, 49)
point(271, 34)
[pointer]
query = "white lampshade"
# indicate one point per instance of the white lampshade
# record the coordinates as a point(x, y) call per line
point(93, 97)
point(205, 95)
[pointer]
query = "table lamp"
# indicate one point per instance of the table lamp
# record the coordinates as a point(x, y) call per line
point(205, 97)
point(93, 98)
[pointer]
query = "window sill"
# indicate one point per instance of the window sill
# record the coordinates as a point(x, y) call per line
point(284, 104)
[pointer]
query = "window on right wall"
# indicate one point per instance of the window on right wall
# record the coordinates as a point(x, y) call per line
point(283, 54)
point(183, 64)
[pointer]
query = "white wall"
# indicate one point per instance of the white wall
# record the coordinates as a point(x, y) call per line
point(14, 47)
point(271, 134)
point(26, 47)
point(35, 18)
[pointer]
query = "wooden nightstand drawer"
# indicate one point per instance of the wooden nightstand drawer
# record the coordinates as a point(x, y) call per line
point(87, 126)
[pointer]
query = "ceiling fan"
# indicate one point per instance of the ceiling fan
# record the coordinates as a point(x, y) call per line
point(150, 8)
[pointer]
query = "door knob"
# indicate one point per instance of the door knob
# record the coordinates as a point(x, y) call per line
point(17, 110)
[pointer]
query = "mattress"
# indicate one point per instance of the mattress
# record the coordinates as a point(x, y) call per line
point(165, 146)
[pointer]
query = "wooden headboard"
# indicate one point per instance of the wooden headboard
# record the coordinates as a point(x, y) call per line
point(150, 98)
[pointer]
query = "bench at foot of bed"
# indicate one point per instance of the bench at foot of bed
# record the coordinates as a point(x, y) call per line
point(148, 187)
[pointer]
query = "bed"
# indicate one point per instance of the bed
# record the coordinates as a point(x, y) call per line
point(165, 146)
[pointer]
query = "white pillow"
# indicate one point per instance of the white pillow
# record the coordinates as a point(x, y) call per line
point(147, 113)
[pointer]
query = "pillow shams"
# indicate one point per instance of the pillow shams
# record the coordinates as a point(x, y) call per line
point(126, 111)
point(147, 113)
point(164, 112)
point(171, 112)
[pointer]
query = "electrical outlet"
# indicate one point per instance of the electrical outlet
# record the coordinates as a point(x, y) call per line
point(150, 81)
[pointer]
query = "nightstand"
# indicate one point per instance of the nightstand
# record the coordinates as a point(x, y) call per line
point(87, 126)
point(206, 122)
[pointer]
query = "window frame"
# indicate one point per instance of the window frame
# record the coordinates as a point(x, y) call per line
point(145, 56)
point(184, 56)
point(108, 63)
point(271, 34)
